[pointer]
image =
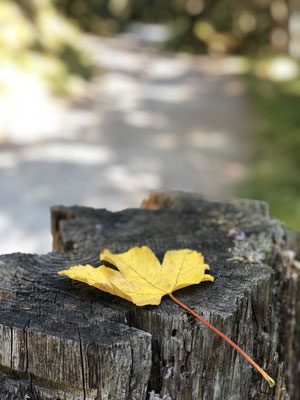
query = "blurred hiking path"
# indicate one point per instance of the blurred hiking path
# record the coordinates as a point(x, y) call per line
point(147, 121)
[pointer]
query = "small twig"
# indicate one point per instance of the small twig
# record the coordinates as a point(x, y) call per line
point(270, 381)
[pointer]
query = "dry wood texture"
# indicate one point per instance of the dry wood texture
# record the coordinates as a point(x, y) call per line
point(64, 340)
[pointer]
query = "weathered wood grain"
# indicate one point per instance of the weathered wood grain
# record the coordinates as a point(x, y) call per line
point(61, 339)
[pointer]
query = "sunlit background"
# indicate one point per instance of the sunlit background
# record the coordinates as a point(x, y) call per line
point(104, 101)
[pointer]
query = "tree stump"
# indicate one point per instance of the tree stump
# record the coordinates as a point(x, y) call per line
point(64, 340)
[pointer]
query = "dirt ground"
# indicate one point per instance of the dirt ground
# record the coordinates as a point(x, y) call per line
point(146, 121)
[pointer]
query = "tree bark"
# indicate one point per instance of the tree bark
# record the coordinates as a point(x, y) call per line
point(64, 340)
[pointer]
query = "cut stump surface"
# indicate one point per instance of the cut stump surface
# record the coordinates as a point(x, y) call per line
point(64, 340)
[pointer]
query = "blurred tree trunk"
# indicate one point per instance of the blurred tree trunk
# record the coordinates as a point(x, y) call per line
point(294, 29)
point(280, 12)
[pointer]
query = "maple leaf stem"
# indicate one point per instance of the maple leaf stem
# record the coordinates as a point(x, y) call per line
point(270, 381)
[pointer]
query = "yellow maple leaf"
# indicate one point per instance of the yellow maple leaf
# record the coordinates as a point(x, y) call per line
point(141, 278)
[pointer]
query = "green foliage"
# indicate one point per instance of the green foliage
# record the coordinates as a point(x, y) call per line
point(37, 39)
point(275, 177)
point(218, 26)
